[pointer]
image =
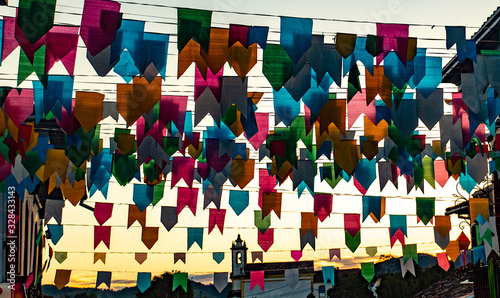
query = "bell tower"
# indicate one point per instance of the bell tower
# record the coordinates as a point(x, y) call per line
point(239, 257)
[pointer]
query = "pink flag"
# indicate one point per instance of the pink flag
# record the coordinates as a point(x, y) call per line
point(352, 223)
point(263, 130)
point(62, 42)
point(19, 105)
point(100, 20)
point(214, 82)
point(443, 261)
point(182, 167)
point(173, 108)
point(266, 240)
point(216, 218)
point(102, 233)
point(9, 42)
point(266, 182)
point(398, 235)
point(440, 172)
point(296, 255)
point(357, 106)
point(322, 205)
point(187, 197)
point(257, 278)
point(102, 212)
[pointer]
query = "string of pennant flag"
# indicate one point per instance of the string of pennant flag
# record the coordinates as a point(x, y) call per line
point(390, 120)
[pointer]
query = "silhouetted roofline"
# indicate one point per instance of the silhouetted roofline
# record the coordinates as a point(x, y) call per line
point(487, 38)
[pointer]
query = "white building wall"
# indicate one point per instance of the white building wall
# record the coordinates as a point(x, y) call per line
point(278, 287)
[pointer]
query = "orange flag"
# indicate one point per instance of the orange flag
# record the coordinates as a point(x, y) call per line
point(453, 250)
point(479, 206)
point(133, 100)
point(62, 278)
point(442, 224)
point(88, 109)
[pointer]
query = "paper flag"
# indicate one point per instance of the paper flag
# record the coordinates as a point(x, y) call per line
point(257, 278)
point(102, 233)
point(266, 239)
point(345, 44)
point(408, 266)
point(36, 18)
point(193, 23)
point(216, 217)
point(443, 261)
point(257, 255)
point(441, 241)
point(455, 35)
point(292, 277)
point(187, 197)
point(149, 236)
point(60, 256)
point(328, 274)
point(100, 20)
point(143, 281)
point(218, 257)
point(479, 206)
point(425, 209)
point(238, 200)
point(392, 37)
point(352, 224)
point(195, 235)
point(322, 205)
point(479, 254)
point(134, 214)
point(453, 250)
point(180, 256)
point(168, 217)
point(368, 271)
point(308, 238)
point(103, 212)
point(180, 279)
point(103, 277)
point(295, 36)
point(410, 251)
point(262, 223)
point(53, 209)
point(212, 196)
point(62, 278)
point(371, 251)
point(277, 66)
point(296, 255)
point(100, 256)
point(220, 281)
point(442, 225)
point(309, 222)
point(141, 257)
point(352, 242)
point(56, 232)
point(334, 252)
point(271, 201)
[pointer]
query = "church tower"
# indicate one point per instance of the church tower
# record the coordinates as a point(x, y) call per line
point(239, 258)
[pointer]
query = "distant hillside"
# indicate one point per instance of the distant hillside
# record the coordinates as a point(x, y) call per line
point(199, 289)
point(393, 265)
point(52, 291)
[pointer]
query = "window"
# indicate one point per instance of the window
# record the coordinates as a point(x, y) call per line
point(238, 257)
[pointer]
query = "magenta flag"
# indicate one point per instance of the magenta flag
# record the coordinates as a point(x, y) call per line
point(352, 223)
point(102, 233)
point(187, 197)
point(100, 20)
point(257, 278)
point(263, 130)
point(182, 167)
point(216, 218)
point(322, 205)
point(392, 37)
point(265, 240)
point(103, 212)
